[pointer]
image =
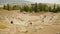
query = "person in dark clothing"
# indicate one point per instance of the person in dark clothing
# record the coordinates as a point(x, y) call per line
point(11, 22)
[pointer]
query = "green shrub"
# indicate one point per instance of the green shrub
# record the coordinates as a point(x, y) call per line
point(30, 9)
point(25, 8)
point(21, 9)
point(46, 8)
point(16, 7)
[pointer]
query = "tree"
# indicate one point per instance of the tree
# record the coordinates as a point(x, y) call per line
point(40, 6)
point(9, 7)
point(4, 7)
point(54, 9)
point(44, 7)
point(50, 9)
point(25, 8)
point(35, 7)
point(30, 9)
point(58, 8)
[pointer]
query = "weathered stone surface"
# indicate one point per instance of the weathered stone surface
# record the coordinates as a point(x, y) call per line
point(42, 23)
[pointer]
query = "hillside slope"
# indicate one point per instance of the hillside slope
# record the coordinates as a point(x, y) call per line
point(29, 23)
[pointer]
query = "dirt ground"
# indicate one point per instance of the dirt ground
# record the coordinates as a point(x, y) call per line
point(29, 23)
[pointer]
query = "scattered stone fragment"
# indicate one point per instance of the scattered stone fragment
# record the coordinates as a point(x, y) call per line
point(23, 29)
point(11, 22)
